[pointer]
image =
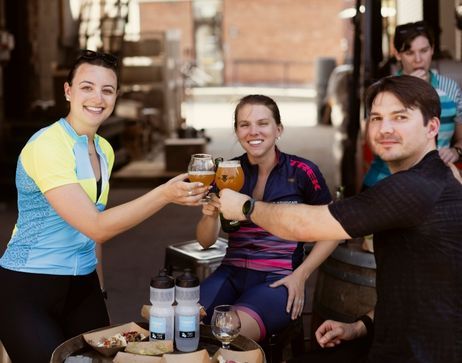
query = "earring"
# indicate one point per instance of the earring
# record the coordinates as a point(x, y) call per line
point(278, 138)
point(67, 98)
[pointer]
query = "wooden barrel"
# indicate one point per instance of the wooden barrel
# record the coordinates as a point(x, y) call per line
point(345, 288)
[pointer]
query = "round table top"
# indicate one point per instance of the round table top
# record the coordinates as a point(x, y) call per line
point(77, 346)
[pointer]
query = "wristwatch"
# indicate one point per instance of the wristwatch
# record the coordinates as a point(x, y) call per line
point(247, 208)
point(459, 151)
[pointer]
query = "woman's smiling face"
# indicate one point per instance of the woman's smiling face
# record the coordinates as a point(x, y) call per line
point(92, 94)
point(256, 130)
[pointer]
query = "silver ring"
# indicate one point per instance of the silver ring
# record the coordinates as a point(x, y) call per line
point(189, 192)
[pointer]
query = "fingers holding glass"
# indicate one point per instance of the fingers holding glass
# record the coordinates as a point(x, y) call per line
point(212, 208)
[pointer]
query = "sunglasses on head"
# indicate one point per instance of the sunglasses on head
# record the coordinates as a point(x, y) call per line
point(411, 27)
point(109, 59)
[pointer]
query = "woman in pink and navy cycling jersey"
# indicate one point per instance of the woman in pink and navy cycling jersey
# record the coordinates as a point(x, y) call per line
point(262, 275)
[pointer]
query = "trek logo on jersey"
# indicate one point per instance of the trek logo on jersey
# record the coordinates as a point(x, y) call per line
point(309, 172)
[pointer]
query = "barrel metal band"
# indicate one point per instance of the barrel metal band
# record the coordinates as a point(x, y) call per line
point(357, 258)
point(348, 276)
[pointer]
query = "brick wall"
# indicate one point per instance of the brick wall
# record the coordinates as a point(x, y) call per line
point(264, 41)
point(159, 16)
point(276, 31)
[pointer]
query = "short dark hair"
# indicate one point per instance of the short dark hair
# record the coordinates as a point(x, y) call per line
point(406, 33)
point(105, 60)
point(412, 92)
point(258, 100)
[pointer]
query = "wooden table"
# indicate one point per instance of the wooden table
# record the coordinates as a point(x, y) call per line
point(78, 347)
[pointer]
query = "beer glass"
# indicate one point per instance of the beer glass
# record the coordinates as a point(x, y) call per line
point(201, 168)
point(225, 324)
point(229, 174)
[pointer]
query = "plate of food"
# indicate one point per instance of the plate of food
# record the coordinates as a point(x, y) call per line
point(112, 340)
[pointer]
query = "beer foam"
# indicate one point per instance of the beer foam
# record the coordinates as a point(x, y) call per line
point(229, 164)
point(201, 172)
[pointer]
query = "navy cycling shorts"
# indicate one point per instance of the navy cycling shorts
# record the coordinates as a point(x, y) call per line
point(249, 291)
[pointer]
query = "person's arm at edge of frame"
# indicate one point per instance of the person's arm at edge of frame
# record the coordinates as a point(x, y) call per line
point(458, 140)
point(458, 135)
point(74, 206)
point(208, 227)
point(295, 282)
point(331, 333)
point(298, 222)
point(451, 154)
point(455, 172)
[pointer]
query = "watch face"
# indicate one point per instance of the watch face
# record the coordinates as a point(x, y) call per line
point(247, 207)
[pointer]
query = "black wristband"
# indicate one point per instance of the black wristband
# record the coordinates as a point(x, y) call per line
point(247, 208)
point(104, 292)
point(368, 323)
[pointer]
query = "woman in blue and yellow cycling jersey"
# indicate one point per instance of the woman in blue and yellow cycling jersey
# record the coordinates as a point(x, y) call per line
point(62, 178)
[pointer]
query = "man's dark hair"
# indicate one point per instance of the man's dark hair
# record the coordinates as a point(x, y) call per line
point(412, 92)
point(406, 33)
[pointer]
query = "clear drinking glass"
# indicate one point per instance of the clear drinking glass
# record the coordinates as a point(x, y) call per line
point(201, 168)
point(225, 324)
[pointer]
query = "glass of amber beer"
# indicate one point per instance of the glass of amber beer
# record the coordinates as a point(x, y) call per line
point(201, 168)
point(229, 174)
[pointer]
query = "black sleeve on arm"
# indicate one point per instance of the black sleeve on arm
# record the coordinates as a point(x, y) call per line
point(401, 200)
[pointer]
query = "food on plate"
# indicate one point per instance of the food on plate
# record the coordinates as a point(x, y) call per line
point(120, 339)
point(150, 348)
point(133, 336)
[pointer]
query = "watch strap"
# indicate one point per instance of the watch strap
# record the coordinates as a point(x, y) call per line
point(247, 208)
point(368, 323)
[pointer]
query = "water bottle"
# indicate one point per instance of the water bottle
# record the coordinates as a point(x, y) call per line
point(187, 312)
point(161, 317)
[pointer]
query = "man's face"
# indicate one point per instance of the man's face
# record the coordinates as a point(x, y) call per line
point(397, 134)
point(418, 58)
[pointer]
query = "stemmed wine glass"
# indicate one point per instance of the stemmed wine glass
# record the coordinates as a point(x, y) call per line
point(201, 168)
point(225, 324)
